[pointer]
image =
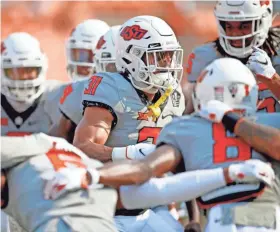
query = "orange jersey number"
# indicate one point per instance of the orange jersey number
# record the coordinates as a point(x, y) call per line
point(61, 158)
point(149, 132)
point(66, 92)
point(222, 142)
point(269, 103)
point(93, 84)
point(18, 133)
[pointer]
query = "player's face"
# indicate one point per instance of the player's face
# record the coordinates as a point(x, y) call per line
point(110, 67)
point(160, 59)
point(236, 29)
point(83, 56)
point(23, 73)
point(84, 70)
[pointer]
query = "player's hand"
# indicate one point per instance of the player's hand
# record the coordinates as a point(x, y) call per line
point(133, 152)
point(214, 111)
point(69, 179)
point(252, 171)
point(260, 64)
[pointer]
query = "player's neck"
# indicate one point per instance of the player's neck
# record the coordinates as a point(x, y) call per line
point(150, 96)
point(19, 106)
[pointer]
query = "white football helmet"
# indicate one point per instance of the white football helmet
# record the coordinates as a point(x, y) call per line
point(148, 51)
point(80, 47)
point(229, 81)
point(21, 53)
point(255, 11)
point(105, 53)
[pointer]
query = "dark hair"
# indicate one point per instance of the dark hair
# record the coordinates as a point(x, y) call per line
point(271, 45)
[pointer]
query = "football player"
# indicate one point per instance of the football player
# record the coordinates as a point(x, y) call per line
point(70, 103)
point(235, 207)
point(69, 187)
point(125, 111)
point(183, 138)
point(80, 48)
point(245, 33)
point(27, 98)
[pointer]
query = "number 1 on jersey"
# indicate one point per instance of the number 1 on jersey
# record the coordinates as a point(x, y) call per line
point(93, 84)
point(222, 142)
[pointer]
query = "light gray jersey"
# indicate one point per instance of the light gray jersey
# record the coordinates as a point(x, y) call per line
point(33, 159)
point(206, 145)
point(205, 54)
point(37, 118)
point(129, 107)
point(70, 103)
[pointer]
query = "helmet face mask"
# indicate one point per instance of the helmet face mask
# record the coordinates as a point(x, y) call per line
point(80, 48)
point(105, 54)
point(242, 25)
point(24, 68)
point(148, 50)
point(219, 82)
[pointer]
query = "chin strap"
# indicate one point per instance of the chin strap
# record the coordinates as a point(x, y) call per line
point(154, 109)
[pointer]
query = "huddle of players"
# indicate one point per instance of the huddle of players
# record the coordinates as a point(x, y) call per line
point(121, 113)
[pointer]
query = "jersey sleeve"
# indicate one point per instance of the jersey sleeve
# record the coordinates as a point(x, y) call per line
point(101, 91)
point(53, 95)
point(168, 134)
point(271, 119)
point(70, 102)
point(199, 59)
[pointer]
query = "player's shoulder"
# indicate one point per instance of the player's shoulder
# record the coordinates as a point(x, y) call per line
point(200, 57)
point(206, 50)
point(185, 122)
point(115, 79)
point(270, 119)
point(53, 88)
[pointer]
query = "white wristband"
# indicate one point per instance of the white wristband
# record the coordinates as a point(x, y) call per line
point(119, 153)
point(94, 177)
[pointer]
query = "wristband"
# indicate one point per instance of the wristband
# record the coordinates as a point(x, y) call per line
point(94, 177)
point(119, 153)
point(230, 120)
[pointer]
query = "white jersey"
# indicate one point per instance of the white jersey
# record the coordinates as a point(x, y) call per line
point(205, 54)
point(128, 106)
point(30, 160)
point(38, 117)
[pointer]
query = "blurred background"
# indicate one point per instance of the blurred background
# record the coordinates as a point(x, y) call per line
point(52, 21)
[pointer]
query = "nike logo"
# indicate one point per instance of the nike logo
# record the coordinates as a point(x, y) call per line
point(167, 115)
point(140, 150)
point(265, 63)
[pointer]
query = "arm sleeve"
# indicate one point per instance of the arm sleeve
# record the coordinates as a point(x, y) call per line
point(177, 188)
point(103, 93)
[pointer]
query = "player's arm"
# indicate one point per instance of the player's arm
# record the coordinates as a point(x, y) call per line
point(64, 128)
point(189, 185)
point(262, 138)
point(92, 133)
point(162, 160)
